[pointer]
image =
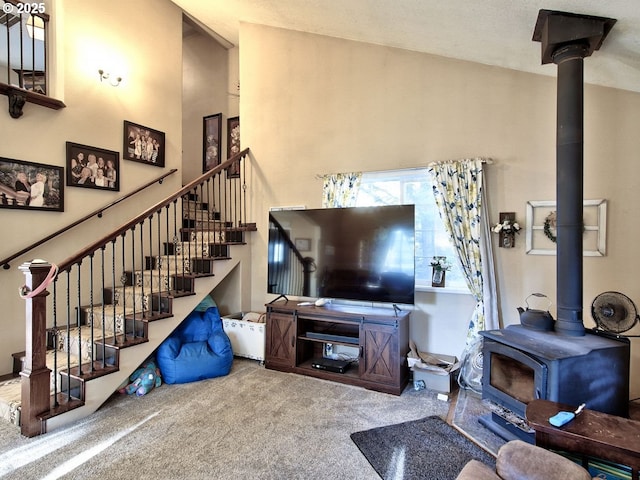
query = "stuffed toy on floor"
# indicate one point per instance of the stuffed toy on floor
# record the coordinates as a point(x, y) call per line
point(143, 380)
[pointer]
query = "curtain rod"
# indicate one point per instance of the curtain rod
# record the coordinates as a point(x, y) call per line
point(486, 160)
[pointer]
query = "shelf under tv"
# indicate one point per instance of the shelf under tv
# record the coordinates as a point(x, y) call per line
point(332, 338)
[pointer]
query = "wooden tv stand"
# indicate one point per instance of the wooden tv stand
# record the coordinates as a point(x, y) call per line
point(297, 334)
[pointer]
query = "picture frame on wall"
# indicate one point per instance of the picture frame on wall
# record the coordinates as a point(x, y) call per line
point(31, 186)
point(211, 141)
point(541, 227)
point(143, 144)
point(233, 145)
point(92, 167)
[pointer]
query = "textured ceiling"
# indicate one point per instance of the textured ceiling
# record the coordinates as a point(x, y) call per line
point(492, 32)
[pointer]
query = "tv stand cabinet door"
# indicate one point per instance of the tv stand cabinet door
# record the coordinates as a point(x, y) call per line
point(280, 349)
point(380, 354)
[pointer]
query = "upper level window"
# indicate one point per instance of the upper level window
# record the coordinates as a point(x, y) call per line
point(414, 187)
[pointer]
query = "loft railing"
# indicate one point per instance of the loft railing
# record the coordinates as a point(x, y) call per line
point(289, 271)
point(102, 297)
point(96, 213)
point(24, 31)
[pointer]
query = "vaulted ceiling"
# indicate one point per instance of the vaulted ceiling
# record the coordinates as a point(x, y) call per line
point(491, 32)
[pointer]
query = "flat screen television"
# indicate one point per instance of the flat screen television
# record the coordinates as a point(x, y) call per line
point(359, 253)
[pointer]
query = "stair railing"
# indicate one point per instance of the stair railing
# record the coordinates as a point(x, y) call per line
point(289, 271)
point(96, 213)
point(103, 296)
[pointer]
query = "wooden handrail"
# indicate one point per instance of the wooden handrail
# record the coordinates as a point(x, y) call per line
point(5, 262)
point(69, 262)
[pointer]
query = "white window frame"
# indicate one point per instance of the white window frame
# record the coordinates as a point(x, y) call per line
point(434, 231)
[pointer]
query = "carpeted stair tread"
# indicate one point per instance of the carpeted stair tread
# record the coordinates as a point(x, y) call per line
point(11, 390)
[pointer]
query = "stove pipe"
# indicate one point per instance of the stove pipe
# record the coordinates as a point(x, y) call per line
point(567, 39)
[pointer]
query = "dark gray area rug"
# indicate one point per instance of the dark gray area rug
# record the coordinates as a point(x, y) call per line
point(428, 448)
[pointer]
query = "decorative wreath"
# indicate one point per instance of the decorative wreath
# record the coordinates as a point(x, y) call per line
point(549, 223)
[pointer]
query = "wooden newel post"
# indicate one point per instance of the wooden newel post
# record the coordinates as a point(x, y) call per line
point(36, 376)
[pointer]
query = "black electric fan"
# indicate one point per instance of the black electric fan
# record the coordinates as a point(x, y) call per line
point(614, 312)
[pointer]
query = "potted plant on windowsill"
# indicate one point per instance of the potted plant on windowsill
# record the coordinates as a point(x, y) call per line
point(440, 265)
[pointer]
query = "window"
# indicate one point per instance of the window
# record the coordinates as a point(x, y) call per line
point(414, 187)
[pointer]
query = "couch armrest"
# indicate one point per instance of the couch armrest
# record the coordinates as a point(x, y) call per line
point(475, 470)
point(517, 460)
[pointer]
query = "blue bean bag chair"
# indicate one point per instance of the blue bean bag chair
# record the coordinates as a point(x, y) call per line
point(197, 349)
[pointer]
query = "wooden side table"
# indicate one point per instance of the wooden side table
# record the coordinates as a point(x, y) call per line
point(590, 434)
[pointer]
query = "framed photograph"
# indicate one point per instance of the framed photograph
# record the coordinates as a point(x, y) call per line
point(32, 186)
point(211, 137)
point(233, 144)
point(92, 167)
point(541, 228)
point(303, 244)
point(143, 144)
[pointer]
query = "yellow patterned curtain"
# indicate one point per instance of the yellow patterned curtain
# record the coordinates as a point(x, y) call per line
point(340, 189)
point(457, 186)
point(458, 191)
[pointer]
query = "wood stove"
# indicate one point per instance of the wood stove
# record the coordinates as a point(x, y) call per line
point(568, 365)
point(521, 365)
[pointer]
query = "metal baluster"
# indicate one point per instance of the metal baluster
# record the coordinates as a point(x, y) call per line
point(123, 279)
point(68, 335)
point(173, 242)
point(54, 333)
point(176, 239)
point(147, 265)
point(102, 313)
point(244, 192)
point(144, 310)
point(159, 249)
point(91, 309)
point(78, 321)
point(113, 295)
point(134, 290)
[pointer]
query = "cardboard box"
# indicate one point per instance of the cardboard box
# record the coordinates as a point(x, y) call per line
point(247, 336)
point(436, 380)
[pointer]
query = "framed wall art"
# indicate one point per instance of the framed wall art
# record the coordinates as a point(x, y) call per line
point(303, 244)
point(541, 232)
point(233, 145)
point(31, 186)
point(143, 144)
point(211, 141)
point(92, 167)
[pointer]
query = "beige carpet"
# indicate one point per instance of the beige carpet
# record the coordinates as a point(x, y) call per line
point(252, 424)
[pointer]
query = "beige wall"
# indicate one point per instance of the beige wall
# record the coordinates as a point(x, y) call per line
point(313, 105)
point(92, 35)
point(204, 92)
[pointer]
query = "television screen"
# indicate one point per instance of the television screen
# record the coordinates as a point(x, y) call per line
point(359, 253)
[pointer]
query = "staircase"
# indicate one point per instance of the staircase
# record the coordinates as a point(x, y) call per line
point(112, 304)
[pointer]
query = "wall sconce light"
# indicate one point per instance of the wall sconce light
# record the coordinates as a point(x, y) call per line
point(104, 76)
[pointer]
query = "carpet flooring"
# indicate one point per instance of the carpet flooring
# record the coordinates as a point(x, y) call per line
point(253, 424)
point(420, 449)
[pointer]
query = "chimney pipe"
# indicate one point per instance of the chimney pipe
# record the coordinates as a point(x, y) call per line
point(567, 39)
